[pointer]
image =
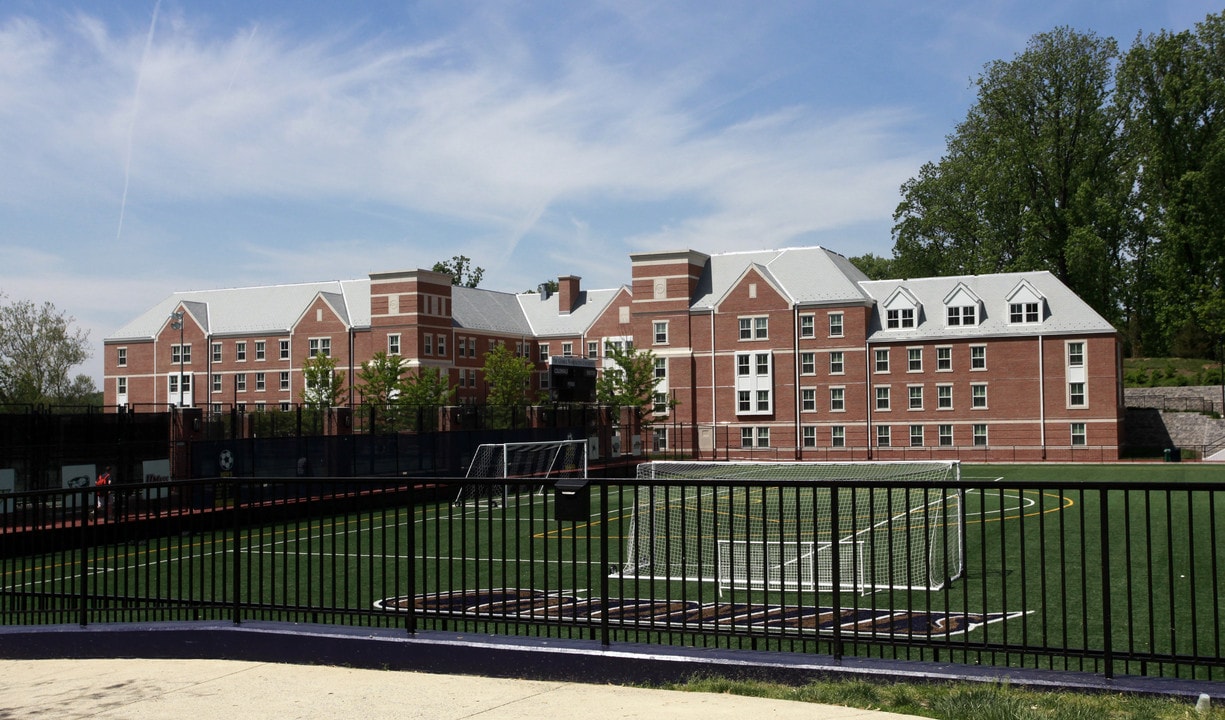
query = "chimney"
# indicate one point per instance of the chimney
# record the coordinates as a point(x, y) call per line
point(543, 290)
point(567, 293)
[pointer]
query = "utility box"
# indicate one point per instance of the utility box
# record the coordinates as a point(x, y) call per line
point(572, 500)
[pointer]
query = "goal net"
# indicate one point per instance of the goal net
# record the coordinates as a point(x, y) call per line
point(521, 467)
point(779, 529)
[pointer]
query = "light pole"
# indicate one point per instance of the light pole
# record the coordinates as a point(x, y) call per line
point(176, 323)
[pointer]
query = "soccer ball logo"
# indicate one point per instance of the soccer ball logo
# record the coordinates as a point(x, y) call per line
point(226, 460)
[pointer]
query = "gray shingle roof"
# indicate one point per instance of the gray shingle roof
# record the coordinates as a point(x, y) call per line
point(262, 309)
point(544, 316)
point(1065, 312)
point(809, 275)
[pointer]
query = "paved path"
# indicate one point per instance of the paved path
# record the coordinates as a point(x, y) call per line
point(237, 690)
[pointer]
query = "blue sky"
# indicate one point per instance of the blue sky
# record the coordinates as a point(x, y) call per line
point(154, 146)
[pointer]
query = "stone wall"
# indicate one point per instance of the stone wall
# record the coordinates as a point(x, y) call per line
point(1163, 417)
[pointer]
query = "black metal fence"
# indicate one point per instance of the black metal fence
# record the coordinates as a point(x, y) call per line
point(1084, 577)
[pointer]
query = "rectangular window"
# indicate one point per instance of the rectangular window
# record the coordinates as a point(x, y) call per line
point(321, 346)
point(180, 354)
point(661, 368)
point(121, 386)
point(809, 436)
point(978, 357)
point(427, 344)
point(121, 357)
point(746, 332)
point(742, 365)
point(393, 344)
point(915, 397)
point(442, 346)
point(1076, 354)
point(472, 347)
point(284, 381)
point(837, 363)
point(1019, 313)
point(285, 407)
point(216, 383)
point(660, 405)
point(283, 349)
point(944, 397)
point(660, 438)
point(763, 437)
point(882, 398)
point(835, 324)
point(837, 399)
point(914, 359)
point(593, 349)
point(240, 351)
point(240, 382)
point(1076, 394)
point(916, 436)
point(661, 332)
point(944, 359)
point(980, 434)
point(567, 349)
point(963, 315)
point(260, 350)
point(216, 352)
point(882, 436)
point(882, 361)
point(544, 352)
point(544, 380)
point(808, 400)
point(761, 329)
point(763, 401)
point(837, 436)
point(946, 436)
point(900, 318)
point(746, 437)
point(978, 396)
point(808, 363)
point(763, 363)
point(1078, 433)
point(808, 326)
point(259, 382)
point(743, 401)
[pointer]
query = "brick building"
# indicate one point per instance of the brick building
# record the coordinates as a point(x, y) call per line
point(776, 354)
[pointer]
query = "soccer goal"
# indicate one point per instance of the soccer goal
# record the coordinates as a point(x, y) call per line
point(527, 466)
point(778, 530)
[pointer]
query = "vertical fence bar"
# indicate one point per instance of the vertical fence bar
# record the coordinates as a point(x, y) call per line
point(236, 548)
point(604, 565)
point(85, 527)
point(411, 624)
point(835, 570)
point(1107, 639)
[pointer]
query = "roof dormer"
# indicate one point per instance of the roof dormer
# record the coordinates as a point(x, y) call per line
point(1026, 306)
point(902, 310)
point(962, 308)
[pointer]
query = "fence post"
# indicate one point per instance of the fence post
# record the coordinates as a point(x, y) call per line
point(236, 548)
point(835, 569)
point(1107, 640)
point(604, 566)
point(86, 528)
point(412, 558)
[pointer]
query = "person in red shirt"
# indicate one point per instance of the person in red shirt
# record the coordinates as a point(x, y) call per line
point(103, 483)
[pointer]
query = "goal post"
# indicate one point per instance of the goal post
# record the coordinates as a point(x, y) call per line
point(530, 465)
point(780, 529)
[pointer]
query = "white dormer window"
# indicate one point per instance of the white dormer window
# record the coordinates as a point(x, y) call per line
point(1026, 306)
point(962, 307)
point(901, 311)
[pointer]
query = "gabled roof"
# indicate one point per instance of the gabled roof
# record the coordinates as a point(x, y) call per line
point(805, 276)
point(261, 309)
point(1066, 312)
point(488, 311)
point(544, 317)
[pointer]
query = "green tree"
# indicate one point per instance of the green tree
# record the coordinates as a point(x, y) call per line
point(1032, 179)
point(423, 391)
point(323, 383)
point(876, 268)
point(461, 271)
point(508, 377)
point(630, 384)
point(38, 349)
point(1171, 90)
point(381, 384)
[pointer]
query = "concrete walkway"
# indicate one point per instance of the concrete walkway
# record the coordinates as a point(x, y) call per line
point(237, 690)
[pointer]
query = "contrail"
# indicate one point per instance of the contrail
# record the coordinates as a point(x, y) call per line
point(242, 59)
point(140, 72)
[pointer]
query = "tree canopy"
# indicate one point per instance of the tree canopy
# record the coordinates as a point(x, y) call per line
point(461, 270)
point(631, 383)
point(323, 384)
point(39, 347)
point(1101, 167)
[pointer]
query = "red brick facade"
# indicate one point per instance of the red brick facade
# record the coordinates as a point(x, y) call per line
point(755, 357)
